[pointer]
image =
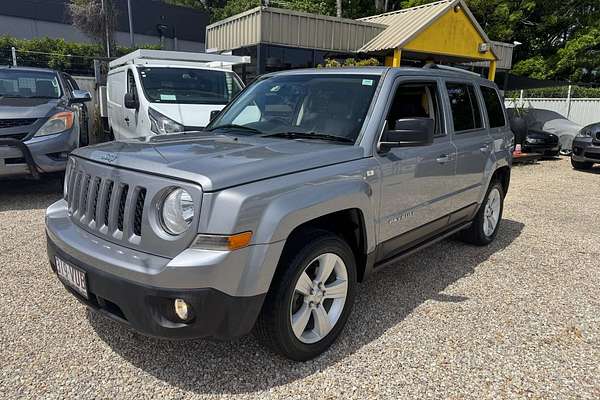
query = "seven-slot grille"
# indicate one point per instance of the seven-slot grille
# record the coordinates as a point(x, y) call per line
point(105, 204)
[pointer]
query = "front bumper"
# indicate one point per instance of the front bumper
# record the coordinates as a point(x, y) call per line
point(545, 149)
point(41, 154)
point(586, 149)
point(149, 310)
point(226, 289)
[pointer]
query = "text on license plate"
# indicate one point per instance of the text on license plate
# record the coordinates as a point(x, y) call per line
point(72, 276)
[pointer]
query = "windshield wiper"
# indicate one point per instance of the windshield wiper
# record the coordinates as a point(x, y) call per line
point(234, 126)
point(310, 135)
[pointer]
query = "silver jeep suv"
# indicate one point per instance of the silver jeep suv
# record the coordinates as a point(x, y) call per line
point(304, 185)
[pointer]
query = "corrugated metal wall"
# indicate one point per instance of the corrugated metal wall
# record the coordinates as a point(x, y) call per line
point(297, 29)
point(290, 28)
point(504, 52)
point(235, 32)
point(583, 111)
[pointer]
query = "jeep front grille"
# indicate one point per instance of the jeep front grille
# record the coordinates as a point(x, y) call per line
point(121, 206)
point(105, 204)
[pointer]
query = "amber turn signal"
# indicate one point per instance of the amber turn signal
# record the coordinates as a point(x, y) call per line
point(223, 242)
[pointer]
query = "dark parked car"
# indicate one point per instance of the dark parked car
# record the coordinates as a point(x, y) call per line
point(551, 122)
point(531, 137)
point(586, 147)
point(42, 118)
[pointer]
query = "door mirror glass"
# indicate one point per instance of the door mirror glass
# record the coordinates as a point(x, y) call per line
point(214, 114)
point(80, 96)
point(130, 102)
point(408, 132)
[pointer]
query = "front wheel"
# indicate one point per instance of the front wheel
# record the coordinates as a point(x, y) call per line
point(484, 227)
point(311, 296)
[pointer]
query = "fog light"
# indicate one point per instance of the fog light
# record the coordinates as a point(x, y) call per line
point(182, 309)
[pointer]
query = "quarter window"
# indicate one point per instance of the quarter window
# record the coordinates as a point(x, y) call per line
point(465, 110)
point(493, 106)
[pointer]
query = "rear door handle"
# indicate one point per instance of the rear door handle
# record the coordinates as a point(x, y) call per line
point(444, 158)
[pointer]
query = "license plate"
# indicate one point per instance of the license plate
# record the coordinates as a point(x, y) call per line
point(72, 276)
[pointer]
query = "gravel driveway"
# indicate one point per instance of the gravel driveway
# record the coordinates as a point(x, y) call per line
point(520, 318)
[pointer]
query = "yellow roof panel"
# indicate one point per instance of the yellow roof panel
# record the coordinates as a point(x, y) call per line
point(404, 25)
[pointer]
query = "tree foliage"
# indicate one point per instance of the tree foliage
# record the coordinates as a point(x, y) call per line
point(96, 21)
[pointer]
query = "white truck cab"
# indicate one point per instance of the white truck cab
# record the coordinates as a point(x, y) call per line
point(152, 92)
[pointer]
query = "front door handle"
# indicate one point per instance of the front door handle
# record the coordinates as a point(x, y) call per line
point(485, 148)
point(444, 158)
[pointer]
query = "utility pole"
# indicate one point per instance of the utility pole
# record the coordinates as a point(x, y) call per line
point(14, 56)
point(106, 34)
point(130, 14)
point(338, 8)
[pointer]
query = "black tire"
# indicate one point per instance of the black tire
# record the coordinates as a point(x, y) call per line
point(581, 165)
point(273, 327)
point(475, 234)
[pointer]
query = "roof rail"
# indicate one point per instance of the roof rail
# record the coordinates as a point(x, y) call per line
point(175, 57)
point(453, 69)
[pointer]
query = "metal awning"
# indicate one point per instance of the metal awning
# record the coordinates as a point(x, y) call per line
point(404, 25)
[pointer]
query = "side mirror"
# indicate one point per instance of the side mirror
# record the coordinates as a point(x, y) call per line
point(408, 132)
point(130, 102)
point(214, 114)
point(80, 96)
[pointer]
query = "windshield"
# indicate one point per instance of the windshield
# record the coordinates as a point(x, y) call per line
point(28, 84)
point(321, 104)
point(188, 85)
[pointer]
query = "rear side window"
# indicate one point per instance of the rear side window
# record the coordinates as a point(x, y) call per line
point(463, 103)
point(493, 106)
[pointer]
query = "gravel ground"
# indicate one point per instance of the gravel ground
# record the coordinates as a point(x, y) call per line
point(520, 318)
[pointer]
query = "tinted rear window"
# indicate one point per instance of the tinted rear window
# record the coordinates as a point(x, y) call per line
point(493, 106)
point(463, 103)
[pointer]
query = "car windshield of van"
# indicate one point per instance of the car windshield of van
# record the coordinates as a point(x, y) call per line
point(188, 85)
point(28, 84)
point(304, 106)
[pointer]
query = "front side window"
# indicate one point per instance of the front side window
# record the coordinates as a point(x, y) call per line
point(29, 84)
point(465, 110)
point(188, 85)
point(493, 106)
point(304, 104)
point(417, 100)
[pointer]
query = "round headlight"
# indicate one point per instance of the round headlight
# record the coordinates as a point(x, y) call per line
point(177, 211)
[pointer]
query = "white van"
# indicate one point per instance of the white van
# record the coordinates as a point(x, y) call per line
point(152, 92)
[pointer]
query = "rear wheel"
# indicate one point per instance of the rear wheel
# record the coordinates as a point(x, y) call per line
point(485, 225)
point(310, 298)
point(581, 165)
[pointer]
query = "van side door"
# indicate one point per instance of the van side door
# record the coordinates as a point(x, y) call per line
point(417, 182)
point(472, 140)
point(114, 101)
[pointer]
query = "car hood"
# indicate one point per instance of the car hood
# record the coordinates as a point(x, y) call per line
point(197, 115)
point(218, 162)
point(26, 108)
point(563, 128)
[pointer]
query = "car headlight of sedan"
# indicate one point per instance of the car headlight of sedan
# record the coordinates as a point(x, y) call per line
point(177, 211)
point(161, 124)
point(585, 133)
point(57, 123)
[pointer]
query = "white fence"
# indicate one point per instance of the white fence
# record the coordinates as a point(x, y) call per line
point(583, 111)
